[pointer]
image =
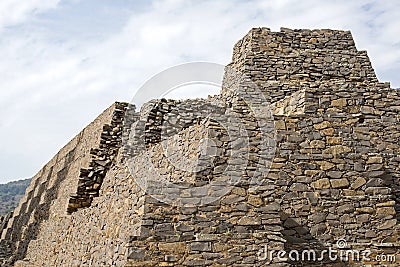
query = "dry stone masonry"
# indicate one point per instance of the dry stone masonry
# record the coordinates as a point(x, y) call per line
point(327, 170)
point(90, 179)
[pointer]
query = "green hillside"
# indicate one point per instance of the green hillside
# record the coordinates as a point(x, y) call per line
point(11, 193)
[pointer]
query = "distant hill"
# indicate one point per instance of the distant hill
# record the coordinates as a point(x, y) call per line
point(11, 193)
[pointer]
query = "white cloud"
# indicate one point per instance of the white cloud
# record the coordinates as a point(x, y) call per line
point(13, 12)
point(52, 85)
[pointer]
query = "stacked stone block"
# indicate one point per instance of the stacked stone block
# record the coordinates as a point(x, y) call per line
point(330, 168)
point(91, 179)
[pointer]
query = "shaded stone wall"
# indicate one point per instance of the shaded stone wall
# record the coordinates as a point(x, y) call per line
point(50, 189)
point(338, 171)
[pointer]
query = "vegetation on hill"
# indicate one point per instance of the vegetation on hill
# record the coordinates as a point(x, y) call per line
point(11, 193)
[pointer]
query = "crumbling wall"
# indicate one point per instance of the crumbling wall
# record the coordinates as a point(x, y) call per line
point(50, 189)
point(124, 226)
point(225, 232)
point(199, 230)
point(102, 158)
point(333, 175)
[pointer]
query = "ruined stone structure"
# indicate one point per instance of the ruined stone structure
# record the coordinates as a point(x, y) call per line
point(329, 172)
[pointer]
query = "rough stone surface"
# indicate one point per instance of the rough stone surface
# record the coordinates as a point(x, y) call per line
point(334, 174)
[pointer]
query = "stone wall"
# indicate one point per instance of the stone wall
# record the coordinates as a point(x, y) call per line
point(227, 231)
point(95, 236)
point(102, 158)
point(211, 182)
point(338, 171)
point(281, 62)
point(50, 189)
point(338, 136)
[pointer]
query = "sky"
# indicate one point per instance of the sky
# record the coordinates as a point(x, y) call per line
point(63, 62)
